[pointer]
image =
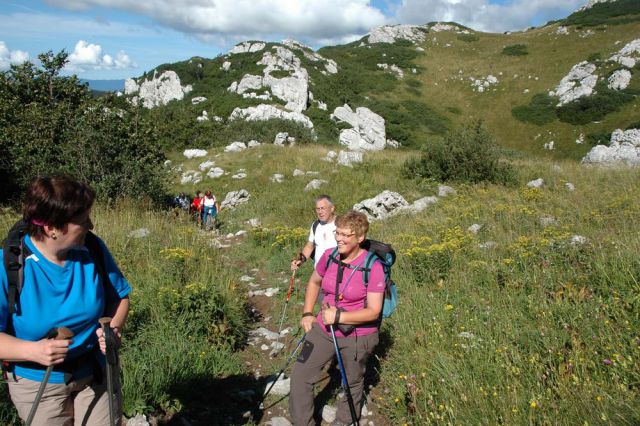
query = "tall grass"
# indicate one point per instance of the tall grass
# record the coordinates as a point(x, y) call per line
point(520, 323)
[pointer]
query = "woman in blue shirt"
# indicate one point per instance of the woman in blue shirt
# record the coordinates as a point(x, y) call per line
point(62, 287)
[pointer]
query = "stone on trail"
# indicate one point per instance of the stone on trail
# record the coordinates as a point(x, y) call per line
point(282, 386)
point(329, 413)
point(138, 420)
point(278, 421)
point(263, 332)
point(276, 347)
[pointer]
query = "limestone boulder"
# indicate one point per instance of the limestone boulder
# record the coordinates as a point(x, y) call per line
point(390, 33)
point(382, 205)
point(158, 91)
point(235, 198)
point(623, 149)
point(368, 129)
point(265, 112)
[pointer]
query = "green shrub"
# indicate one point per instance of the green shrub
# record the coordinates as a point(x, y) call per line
point(51, 124)
point(468, 37)
point(468, 154)
point(593, 108)
point(515, 50)
point(541, 110)
point(599, 138)
point(610, 13)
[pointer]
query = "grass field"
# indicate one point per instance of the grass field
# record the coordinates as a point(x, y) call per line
point(521, 323)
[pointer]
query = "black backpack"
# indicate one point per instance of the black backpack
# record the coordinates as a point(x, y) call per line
point(15, 251)
point(386, 255)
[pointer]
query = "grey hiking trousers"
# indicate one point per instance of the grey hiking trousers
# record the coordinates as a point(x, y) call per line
point(316, 352)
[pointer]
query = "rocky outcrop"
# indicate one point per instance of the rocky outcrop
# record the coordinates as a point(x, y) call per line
point(392, 68)
point(619, 80)
point(578, 83)
point(628, 55)
point(247, 47)
point(381, 206)
point(390, 33)
point(484, 83)
point(368, 132)
point(234, 199)
point(158, 91)
point(624, 149)
point(439, 26)
point(592, 3)
point(267, 112)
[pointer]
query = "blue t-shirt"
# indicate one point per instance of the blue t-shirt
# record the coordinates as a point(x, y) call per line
point(69, 296)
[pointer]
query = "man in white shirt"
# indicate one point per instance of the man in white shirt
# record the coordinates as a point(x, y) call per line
point(321, 234)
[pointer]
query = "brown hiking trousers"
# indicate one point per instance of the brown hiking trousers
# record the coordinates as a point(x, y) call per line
point(316, 352)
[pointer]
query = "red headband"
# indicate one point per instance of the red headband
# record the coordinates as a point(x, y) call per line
point(38, 222)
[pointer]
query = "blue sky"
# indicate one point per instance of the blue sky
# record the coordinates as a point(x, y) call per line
point(113, 39)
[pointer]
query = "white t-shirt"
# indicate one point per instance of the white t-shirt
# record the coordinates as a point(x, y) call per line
point(210, 202)
point(323, 239)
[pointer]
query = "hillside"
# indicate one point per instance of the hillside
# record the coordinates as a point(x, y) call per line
point(450, 75)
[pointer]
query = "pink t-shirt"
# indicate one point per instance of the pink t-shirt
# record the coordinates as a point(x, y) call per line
point(352, 289)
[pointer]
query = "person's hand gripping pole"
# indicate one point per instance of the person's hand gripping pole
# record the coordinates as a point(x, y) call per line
point(112, 361)
point(61, 333)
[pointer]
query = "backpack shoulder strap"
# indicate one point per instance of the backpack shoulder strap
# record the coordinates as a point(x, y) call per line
point(333, 257)
point(314, 226)
point(368, 264)
point(14, 252)
point(95, 250)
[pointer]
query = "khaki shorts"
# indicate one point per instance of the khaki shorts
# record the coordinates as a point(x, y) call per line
point(81, 402)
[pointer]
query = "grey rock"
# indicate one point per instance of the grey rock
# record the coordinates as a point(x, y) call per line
point(216, 172)
point(235, 198)
point(475, 228)
point(193, 153)
point(265, 112)
point(235, 147)
point(382, 205)
point(329, 413)
point(389, 33)
point(278, 421)
point(315, 184)
point(277, 178)
point(536, 183)
point(138, 420)
point(444, 190)
point(158, 91)
point(368, 129)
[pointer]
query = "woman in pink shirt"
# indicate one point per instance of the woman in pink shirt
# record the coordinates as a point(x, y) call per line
point(353, 308)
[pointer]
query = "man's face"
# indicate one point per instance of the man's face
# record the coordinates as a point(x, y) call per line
point(324, 210)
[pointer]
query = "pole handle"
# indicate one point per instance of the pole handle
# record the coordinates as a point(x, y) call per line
point(64, 333)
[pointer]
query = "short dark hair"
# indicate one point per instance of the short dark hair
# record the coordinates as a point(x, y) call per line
point(55, 201)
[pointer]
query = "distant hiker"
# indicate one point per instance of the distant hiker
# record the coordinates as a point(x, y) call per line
point(182, 201)
point(196, 206)
point(321, 235)
point(353, 308)
point(67, 278)
point(210, 209)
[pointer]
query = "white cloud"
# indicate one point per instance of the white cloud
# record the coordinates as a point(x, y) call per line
point(89, 56)
point(482, 15)
point(246, 19)
point(8, 57)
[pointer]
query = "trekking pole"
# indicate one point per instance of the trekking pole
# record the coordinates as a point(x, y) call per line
point(286, 303)
point(343, 373)
point(110, 353)
point(61, 333)
point(300, 342)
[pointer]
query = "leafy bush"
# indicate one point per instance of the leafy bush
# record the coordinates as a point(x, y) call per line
point(468, 37)
point(468, 154)
point(515, 50)
point(610, 13)
point(541, 110)
point(51, 124)
point(593, 108)
point(599, 138)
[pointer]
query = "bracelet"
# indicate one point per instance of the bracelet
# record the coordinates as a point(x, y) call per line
point(308, 314)
point(336, 320)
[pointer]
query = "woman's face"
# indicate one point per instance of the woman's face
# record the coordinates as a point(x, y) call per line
point(347, 241)
point(74, 232)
